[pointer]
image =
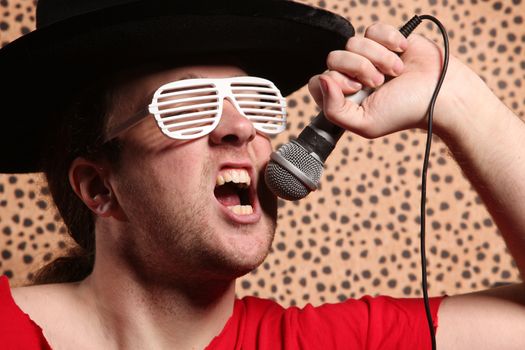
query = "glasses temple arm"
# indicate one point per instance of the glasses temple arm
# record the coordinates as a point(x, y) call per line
point(132, 121)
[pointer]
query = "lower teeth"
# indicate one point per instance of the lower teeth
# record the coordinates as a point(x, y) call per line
point(241, 209)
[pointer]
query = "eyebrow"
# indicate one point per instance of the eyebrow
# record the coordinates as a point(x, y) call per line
point(189, 76)
point(186, 76)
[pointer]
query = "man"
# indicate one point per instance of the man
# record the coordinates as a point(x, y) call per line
point(175, 214)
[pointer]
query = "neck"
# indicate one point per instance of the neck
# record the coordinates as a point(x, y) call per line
point(133, 311)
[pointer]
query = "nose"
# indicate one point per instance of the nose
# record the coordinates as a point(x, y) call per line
point(233, 128)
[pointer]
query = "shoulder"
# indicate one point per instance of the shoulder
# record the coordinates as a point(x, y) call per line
point(17, 329)
point(254, 305)
point(49, 306)
point(44, 302)
point(54, 308)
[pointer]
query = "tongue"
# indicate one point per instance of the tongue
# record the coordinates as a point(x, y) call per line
point(227, 195)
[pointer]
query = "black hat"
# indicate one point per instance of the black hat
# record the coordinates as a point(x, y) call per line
point(79, 41)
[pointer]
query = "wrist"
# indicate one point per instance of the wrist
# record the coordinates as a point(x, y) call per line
point(465, 105)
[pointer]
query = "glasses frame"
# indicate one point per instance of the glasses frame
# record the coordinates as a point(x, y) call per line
point(223, 89)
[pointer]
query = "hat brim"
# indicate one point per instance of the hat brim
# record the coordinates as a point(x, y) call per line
point(282, 41)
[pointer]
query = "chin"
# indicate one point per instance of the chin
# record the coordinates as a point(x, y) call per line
point(239, 269)
point(241, 252)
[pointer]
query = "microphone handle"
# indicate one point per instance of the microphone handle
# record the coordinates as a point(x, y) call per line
point(320, 137)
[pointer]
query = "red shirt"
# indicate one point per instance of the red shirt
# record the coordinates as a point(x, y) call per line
point(368, 323)
point(17, 330)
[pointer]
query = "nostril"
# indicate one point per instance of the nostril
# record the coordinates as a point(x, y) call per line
point(230, 138)
point(233, 129)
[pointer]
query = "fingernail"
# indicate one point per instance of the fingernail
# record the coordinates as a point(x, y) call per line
point(324, 86)
point(403, 45)
point(378, 80)
point(354, 85)
point(398, 67)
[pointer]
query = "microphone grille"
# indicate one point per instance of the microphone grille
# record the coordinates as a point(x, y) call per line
point(285, 182)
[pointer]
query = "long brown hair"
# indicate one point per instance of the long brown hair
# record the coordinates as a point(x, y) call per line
point(80, 132)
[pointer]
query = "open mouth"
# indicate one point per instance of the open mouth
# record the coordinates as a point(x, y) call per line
point(232, 190)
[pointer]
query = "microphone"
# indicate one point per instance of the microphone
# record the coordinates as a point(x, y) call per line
point(295, 168)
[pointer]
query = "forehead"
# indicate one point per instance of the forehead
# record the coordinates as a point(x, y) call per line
point(156, 79)
point(146, 82)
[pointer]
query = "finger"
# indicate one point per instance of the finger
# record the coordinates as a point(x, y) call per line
point(315, 90)
point(347, 85)
point(351, 116)
point(381, 57)
point(388, 36)
point(355, 66)
point(336, 108)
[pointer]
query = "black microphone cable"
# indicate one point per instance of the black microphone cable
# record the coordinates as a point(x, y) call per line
point(296, 167)
point(407, 28)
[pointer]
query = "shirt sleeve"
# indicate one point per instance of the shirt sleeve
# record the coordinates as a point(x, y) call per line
point(368, 323)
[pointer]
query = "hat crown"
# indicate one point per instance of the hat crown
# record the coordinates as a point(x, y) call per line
point(51, 11)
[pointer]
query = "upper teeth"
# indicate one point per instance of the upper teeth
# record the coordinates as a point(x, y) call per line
point(238, 176)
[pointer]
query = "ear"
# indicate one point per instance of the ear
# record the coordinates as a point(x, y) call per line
point(89, 180)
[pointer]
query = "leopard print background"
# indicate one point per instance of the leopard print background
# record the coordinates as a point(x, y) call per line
point(360, 233)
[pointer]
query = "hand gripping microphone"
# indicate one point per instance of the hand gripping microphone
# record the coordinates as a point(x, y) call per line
point(295, 168)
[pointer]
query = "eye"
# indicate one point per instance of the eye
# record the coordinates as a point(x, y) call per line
point(187, 111)
point(262, 104)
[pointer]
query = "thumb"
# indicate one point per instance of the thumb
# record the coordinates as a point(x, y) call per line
point(337, 108)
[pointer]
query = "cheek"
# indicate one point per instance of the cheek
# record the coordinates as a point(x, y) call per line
point(183, 170)
point(262, 150)
point(170, 170)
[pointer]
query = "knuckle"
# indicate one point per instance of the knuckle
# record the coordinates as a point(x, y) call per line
point(334, 75)
point(313, 80)
point(332, 59)
point(332, 114)
point(392, 39)
point(352, 44)
point(363, 66)
point(313, 87)
point(418, 38)
point(372, 30)
point(331, 111)
point(391, 60)
point(369, 134)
